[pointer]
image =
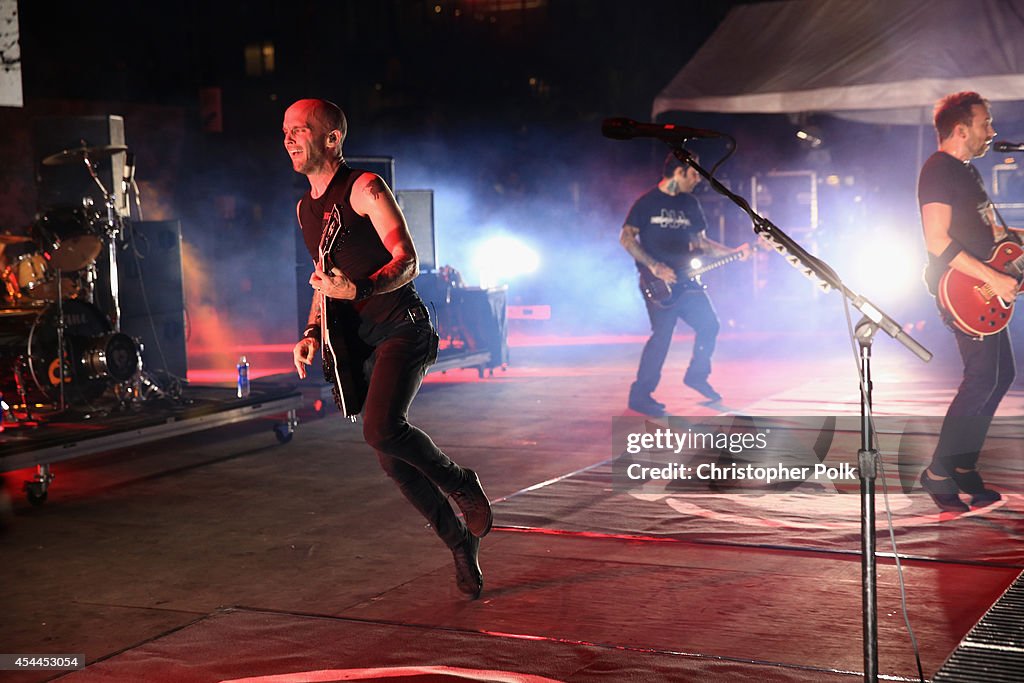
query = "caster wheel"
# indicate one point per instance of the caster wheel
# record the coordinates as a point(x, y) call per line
point(35, 495)
point(283, 434)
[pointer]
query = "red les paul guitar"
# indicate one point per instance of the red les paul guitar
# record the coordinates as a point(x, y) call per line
point(974, 307)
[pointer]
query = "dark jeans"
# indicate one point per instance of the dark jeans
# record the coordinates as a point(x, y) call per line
point(423, 473)
point(695, 309)
point(988, 373)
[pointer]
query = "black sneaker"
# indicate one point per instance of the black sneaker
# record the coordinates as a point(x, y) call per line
point(468, 576)
point(703, 388)
point(472, 500)
point(972, 483)
point(985, 497)
point(968, 482)
point(944, 493)
point(646, 406)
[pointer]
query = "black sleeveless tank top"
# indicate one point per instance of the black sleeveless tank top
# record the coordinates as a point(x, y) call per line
point(357, 251)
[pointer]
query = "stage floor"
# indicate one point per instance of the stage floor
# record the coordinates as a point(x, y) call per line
point(223, 555)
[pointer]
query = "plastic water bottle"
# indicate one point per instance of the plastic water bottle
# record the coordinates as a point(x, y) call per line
point(243, 378)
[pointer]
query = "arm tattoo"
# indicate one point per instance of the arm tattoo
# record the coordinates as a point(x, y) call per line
point(375, 188)
point(632, 245)
point(394, 274)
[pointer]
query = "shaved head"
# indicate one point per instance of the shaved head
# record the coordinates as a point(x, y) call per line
point(322, 116)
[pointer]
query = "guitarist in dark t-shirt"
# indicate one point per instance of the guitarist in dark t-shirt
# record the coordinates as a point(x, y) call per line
point(960, 232)
point(664, 230)
point(372, 329)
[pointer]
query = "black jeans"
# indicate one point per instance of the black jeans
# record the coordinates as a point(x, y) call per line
point(423, 473)
point(695, 309)
point(988, 373)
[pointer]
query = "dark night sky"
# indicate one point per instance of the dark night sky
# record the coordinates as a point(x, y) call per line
point(399, 59)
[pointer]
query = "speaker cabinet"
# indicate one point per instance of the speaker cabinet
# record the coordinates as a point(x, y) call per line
point(418, 207)
point(151, 293)
point(65, 185)
point(149, 269)
point(163, 339)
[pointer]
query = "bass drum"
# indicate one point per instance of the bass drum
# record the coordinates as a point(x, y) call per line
point(95, 354)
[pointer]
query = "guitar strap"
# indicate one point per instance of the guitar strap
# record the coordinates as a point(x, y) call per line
point(1012, 234)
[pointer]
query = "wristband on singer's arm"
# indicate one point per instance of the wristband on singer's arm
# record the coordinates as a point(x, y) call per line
point(364, 288)
point(312, 331)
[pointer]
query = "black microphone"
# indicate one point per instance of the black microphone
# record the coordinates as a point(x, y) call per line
point(1008, 146)
point(128, 173)
point(128, 179)
point(627, 129)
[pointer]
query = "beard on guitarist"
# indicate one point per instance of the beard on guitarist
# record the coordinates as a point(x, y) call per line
point(373, 330)
point(961, 233)
point(663, 232)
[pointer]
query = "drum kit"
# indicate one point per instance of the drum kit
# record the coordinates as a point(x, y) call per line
point(60, 347)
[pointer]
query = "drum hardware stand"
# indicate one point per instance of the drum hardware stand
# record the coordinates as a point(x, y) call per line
point(140, 388)
point(114, 225)
point(61, 351)
point(145, 387)
point(152, 388)
point(89, 283)
point(19, 382)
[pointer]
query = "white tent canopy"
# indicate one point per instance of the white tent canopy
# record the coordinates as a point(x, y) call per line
point(871, 60)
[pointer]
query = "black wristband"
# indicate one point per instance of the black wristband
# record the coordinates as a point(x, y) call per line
point(950, 253)
point(312, 331)
point(364, 288)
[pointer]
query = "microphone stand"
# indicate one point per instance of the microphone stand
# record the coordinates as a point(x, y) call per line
point(867, 457)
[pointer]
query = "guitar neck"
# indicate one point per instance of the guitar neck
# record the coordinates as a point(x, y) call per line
point(694, 272)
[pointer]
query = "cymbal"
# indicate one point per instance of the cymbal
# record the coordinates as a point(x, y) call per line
point(78, 154)
point(14, 239)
